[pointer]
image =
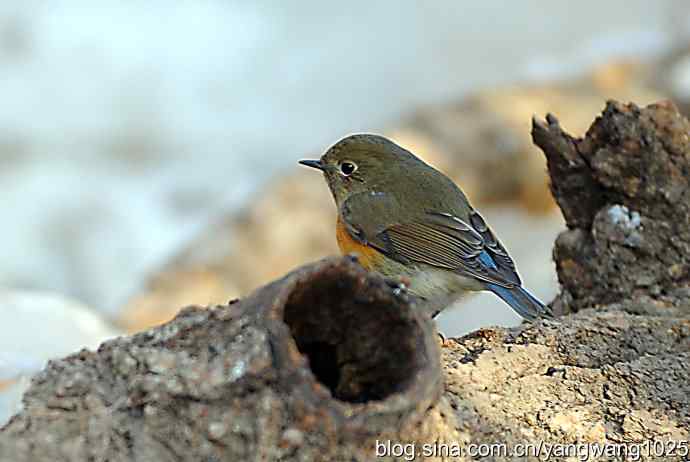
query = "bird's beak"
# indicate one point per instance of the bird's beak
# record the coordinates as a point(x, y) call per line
point(313, 164)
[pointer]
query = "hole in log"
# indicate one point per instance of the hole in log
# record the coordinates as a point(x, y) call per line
point(362, 342)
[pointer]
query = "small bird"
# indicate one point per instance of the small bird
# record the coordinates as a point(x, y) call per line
point(413, 225)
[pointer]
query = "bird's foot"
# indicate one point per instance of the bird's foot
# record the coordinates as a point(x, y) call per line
point(353, 257)
point(399, 285)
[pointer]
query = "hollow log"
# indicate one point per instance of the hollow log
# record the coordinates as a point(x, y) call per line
point(331, 363)
point(310, 367)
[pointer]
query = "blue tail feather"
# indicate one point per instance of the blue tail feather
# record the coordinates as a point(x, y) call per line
point(519, 299)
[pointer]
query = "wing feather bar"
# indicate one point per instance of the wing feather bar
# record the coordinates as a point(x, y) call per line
point(445, 241)
point(477, 229)
point(424, 243)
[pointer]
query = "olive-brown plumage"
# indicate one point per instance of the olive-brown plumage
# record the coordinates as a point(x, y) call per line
point(407, 220)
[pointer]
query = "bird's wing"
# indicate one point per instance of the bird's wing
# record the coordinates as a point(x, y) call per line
point(433, 238)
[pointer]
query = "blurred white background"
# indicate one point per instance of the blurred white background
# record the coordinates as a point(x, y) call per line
point(125, 126)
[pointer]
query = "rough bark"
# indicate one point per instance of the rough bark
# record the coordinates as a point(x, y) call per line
point(325, 362)
point(310, 367)
point(624, 191)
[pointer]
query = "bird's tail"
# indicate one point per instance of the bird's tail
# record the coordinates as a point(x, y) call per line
point(524, 303)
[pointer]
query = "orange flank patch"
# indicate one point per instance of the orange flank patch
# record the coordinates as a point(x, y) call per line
point(368, 257)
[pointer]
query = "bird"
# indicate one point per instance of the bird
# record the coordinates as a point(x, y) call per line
point(413, 225)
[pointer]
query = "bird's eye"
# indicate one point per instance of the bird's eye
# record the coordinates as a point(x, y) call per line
point(348, 168)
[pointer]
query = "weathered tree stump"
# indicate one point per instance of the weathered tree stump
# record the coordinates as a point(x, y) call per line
point(329, 363)
point(624, 191)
